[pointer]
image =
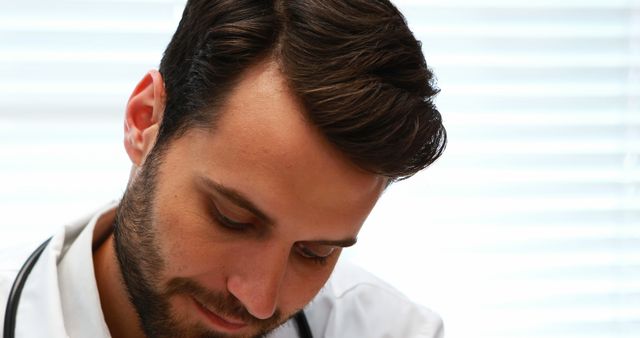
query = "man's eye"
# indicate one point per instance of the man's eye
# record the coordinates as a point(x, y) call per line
point(231, 224)
point(317, 253)
point(227, 222)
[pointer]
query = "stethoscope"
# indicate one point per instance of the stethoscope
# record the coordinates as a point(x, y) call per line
point(18, 284)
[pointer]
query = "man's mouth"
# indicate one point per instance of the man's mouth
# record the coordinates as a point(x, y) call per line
point(220, 322)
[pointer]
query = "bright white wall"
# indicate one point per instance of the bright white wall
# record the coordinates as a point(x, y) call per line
point(529, 226)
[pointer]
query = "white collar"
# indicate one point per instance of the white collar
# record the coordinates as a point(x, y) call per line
point(77, 283)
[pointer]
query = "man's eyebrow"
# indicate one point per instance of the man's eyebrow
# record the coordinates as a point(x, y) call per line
point(236, 198)
point(341, 243)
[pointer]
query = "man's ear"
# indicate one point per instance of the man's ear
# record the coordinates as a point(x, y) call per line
point(143, 116)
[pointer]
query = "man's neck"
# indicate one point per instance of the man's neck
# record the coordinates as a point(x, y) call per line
point(119, 313)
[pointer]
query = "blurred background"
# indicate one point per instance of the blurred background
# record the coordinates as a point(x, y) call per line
point(528, 226)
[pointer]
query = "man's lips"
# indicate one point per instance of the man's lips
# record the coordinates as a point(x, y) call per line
point(219, 321)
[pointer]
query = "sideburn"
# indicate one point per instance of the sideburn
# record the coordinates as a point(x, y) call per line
point(137, 252)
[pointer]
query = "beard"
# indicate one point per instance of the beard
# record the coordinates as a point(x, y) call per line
point(141, 264)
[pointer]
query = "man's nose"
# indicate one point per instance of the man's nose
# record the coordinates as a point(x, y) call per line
point(258, 280)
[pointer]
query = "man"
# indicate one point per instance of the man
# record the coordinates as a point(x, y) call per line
point(258, 150)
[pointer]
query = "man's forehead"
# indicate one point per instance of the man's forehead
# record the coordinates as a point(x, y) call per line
point(263, 112)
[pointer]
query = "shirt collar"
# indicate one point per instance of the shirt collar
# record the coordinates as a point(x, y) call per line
point(78, 288)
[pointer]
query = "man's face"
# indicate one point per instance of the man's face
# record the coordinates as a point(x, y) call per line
point(239, 227)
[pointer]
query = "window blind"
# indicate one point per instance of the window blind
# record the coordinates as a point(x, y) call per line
point(529, 226)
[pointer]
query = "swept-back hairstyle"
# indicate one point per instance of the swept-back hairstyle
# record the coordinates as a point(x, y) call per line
point(355, 65)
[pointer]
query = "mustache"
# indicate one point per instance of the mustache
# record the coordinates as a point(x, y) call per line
point(224, 304)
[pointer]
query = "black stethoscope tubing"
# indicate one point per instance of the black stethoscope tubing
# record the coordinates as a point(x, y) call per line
point(18, 284)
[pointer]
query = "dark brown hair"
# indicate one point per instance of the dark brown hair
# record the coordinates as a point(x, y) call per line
point(355, 65)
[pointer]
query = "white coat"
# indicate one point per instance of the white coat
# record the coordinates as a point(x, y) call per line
point(60, 297)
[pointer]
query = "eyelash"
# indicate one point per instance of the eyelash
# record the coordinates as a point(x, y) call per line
point(318, 260)
point(308, 255)
point(228, 223)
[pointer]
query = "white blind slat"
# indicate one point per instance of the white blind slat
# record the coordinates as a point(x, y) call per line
point(529, 226)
